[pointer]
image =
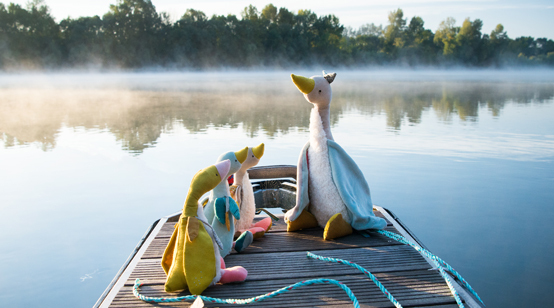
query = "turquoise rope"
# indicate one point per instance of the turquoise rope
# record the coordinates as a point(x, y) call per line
point(297, 285)
point(247, 300)
point(363, 270)
point(439, 264)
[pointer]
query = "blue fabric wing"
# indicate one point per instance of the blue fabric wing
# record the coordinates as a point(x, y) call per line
point(353, 189)
point(234, 208)
point(220, 209)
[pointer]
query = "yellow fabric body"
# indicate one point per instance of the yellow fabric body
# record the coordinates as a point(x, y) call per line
point(200, 266)
point(189, 258)
point(336, 227)
point(304, 84)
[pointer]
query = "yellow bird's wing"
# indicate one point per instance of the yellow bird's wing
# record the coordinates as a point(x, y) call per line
point(176, 279)
point(167, 258)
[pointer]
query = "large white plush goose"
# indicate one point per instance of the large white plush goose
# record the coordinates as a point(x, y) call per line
point(331, 190)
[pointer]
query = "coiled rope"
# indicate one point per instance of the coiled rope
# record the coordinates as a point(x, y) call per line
point(439, 263)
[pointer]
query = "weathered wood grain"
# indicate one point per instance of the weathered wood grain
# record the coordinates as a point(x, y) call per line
point(410, 288)
point(279, 259)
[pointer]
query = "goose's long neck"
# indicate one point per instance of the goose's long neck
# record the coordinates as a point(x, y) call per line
point(222, 189)
point(325, 115)
point(191, 203)
point(239, 176)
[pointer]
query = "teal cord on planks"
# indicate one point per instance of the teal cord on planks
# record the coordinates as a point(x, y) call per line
point(363, 270)
point(274, 293)
point(438, 262)
point(246, 300)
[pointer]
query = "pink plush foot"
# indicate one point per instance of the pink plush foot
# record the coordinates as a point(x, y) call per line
point(222, 263)
point(233, 274)
point(257, 232)
point(264, 224)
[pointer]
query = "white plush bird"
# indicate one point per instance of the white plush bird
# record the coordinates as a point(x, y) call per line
point(243, 193)
point(331, 190)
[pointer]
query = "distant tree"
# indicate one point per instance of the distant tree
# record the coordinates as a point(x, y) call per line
point(497, 48)
point(30, 37)
point(419, 46)
point(394, 33)
point(469, 41)
point(82, 41)
point(192, 40)
point(250, 12)
point(133, 29)
point(269, 12)
point(445, 36)
point(285, 17)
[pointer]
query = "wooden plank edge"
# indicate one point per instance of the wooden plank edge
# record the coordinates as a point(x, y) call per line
point(106, 299)
point(464, 295)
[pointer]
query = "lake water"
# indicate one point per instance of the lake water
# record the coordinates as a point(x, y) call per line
point(89, 161)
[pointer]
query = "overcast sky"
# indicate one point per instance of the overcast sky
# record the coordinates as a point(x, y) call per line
point(520, 18)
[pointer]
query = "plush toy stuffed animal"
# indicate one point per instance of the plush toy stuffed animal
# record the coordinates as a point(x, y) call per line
point(221, 209)
point(242, 192)
point(329, 183)
point(191, 259)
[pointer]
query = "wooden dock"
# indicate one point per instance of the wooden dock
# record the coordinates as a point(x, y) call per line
point(279, 259)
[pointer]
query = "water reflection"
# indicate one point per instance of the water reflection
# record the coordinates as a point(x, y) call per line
point(137, 113)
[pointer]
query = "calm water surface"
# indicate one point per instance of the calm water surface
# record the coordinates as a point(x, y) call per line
point(89, 161)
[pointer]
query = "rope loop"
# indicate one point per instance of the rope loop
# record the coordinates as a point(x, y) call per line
point(439, 263)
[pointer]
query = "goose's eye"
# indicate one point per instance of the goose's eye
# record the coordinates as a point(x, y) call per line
point(236, 160)
point(216, 174)
point(319, 91)
point(252, 155)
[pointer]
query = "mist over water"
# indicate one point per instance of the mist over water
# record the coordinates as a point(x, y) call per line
point(138, 108)
point(89, 161)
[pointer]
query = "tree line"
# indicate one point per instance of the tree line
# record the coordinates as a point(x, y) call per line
point(132, 34)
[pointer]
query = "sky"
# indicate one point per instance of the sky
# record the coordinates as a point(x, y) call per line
point(520, 18)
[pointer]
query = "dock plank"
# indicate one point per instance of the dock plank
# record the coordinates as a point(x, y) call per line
point(412, 288)
point(278, 226)
point(279, 259)
point(310, 239)
point(297, 265)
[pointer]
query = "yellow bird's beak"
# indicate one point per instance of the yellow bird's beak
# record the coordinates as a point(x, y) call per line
point(241, 155)
point(305, 85)
point(258, 151)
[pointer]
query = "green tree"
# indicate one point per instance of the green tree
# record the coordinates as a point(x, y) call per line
point(469, 41)
point(192, 40)
point(82, 40)
point(250, 12)
point(134, 33)
point(419, 43)
point(394, 33)
point(269, 12)
point(498, 44)
point(31, 37)
point(445, 36)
